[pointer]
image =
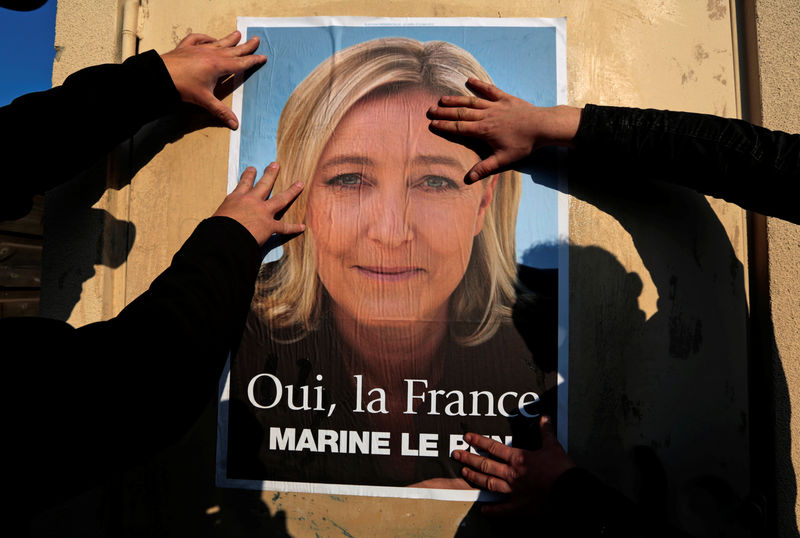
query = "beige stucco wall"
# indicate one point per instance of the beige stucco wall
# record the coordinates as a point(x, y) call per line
point(644, 275)
point(778, 40)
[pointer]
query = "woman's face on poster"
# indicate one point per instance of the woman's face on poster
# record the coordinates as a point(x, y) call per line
point(392, 220)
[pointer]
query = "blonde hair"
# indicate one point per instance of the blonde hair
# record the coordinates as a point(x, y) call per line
point(291, 295)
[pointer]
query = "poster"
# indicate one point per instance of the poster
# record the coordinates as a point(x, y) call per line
point(414, 308)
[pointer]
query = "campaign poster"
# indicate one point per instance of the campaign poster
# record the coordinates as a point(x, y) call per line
point(415, 307)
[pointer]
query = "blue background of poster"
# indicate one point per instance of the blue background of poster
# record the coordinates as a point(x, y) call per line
point(520, 60)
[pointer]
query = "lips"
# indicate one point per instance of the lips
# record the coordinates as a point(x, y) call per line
point(388, 274)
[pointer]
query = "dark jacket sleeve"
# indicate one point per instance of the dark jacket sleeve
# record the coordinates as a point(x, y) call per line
point(50, 136)
point(579, 504)
point(169, 345)
point(108, 395)
point(753, 167)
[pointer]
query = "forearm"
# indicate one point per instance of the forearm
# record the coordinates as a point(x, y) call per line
point(48, 137)
point(579, 504)
point(731, 159)
point(166, 350)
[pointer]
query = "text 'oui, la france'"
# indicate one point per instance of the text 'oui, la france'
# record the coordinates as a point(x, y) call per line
point(266, 391)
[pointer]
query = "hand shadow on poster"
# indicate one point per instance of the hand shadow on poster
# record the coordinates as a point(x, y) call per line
point(659, 406)
point(79, 236)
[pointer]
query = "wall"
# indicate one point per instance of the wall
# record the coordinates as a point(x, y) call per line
point(777, 25)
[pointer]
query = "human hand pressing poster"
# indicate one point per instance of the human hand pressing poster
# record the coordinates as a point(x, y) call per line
point(416, 307)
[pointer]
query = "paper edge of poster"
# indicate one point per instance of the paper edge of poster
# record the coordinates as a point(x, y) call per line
point(562, 392)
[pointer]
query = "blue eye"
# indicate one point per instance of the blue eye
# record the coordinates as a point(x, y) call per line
point(347, 181)
point(438, 183)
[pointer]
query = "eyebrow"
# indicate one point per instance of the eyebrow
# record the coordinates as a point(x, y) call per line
point(437, 159)
point(348, 159)
point(366, 161)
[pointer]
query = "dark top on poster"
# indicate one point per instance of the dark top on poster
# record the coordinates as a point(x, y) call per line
point(503, 364)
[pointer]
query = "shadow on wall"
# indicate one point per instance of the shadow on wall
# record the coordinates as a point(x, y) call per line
point(77, 236)
point(660, 407)
point(679, 382)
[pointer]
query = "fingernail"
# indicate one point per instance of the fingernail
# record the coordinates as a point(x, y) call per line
point(273, 165)
point(473, 177)
point(468, 437)
point(299, 185)
point(456, 455)
point(232, 124)
point(545, 419)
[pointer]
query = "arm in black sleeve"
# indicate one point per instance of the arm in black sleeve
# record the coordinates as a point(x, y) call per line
point(753, 167)
point(108, 395)
point(50, 136)
point(168, 347)
point(579, 504)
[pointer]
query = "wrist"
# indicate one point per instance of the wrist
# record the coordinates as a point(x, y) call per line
point(558, 125)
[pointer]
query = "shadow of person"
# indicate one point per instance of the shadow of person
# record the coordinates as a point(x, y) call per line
point(671, 390)
point(685, 387)
point(616, 321)
point(77, 236)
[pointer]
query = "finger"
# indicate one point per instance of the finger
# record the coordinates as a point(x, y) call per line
point(465, 128)
point(246, 181)
point(219, 110)
point(498, 450)
point(267, 181)
point(243, 63)
point(548, 431)
point(483, 169)
point(483, 481)
point(230, 40)
point(469, 101)
point(490, 91)
point(195, 39)
point(239, 64)
point(248, 47)
point(486, 466)
point(280, 201)
point(286, 228)
point(456, 113)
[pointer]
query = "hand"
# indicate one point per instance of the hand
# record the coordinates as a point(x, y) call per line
point(248, 205)
point(513, 128)
point(524, 474)
point(199, 62)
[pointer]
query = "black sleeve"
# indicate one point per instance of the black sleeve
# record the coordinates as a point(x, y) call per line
point(107, 395)
point(753, 167)
point(50, 136)
point(579, 504)
point(169, 345)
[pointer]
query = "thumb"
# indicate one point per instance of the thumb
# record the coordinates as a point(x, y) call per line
point(219, 110)
point(547, 430)
point(483, 169)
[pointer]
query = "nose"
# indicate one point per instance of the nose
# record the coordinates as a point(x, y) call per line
point(389, 222)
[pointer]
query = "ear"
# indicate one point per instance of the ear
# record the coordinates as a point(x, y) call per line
point(486, 200)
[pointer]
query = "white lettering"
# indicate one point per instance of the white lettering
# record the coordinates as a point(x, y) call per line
point(411, 396)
